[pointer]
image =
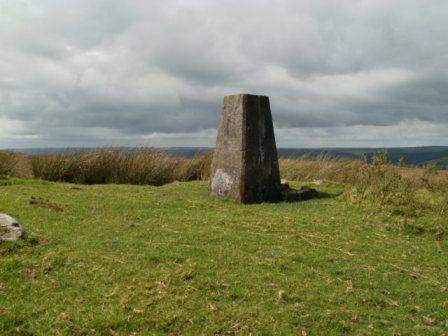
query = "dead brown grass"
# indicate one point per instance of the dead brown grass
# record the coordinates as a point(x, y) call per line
point(305, 168)
point(349, 171)
point(138, 166)
point(15, 164)
point(156, 167)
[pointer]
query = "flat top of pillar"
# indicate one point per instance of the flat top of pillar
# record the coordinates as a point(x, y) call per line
point(245, 95)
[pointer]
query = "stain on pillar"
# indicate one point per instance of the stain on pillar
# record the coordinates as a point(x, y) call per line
point(245, 162)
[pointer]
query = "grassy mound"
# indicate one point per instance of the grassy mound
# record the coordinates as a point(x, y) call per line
point(142, 260)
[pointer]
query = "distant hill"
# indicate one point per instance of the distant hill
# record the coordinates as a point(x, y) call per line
point(412, 156)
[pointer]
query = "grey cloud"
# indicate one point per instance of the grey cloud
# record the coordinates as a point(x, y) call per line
point(136, 68)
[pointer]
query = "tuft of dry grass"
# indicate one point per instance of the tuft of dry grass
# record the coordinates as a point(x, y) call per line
point(193, 169)
point(430, 178)
point(138, 166)
point(14, 164)
point(386, 188)
point(156, 167)
point(353, 171)
point(322, 167)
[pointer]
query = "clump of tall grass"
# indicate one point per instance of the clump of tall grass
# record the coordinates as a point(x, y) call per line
point(408, 193)
point(138, 166)
point(361, 172)
point(321, 167)
point(193, 169)
point(54, 167)
point(383, 185)
point(7, 163)
point(157, 167)
point(14, 165)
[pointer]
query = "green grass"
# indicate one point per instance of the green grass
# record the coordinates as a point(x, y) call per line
point(143, 260)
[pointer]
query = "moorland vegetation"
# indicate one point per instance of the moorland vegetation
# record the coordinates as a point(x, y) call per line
point(131, 244)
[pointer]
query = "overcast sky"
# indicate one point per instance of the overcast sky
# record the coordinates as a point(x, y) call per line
point(338, 73)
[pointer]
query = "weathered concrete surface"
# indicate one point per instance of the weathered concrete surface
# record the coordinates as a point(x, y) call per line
point(10, 229)
point(245, 162)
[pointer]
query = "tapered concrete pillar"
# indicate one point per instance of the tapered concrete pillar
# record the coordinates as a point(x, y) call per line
point(245, 162)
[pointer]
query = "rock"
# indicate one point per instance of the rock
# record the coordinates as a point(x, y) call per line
point(245, 162)
point(294, 195)
point(10, 229)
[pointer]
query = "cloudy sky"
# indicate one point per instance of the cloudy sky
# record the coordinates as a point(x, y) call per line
point(114, 72)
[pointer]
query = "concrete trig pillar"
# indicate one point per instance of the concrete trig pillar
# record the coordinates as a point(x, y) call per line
point(245, 162)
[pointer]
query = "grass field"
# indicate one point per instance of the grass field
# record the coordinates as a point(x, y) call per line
point(145, 260)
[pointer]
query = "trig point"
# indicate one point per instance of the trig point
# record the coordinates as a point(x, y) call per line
point(245, 162)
